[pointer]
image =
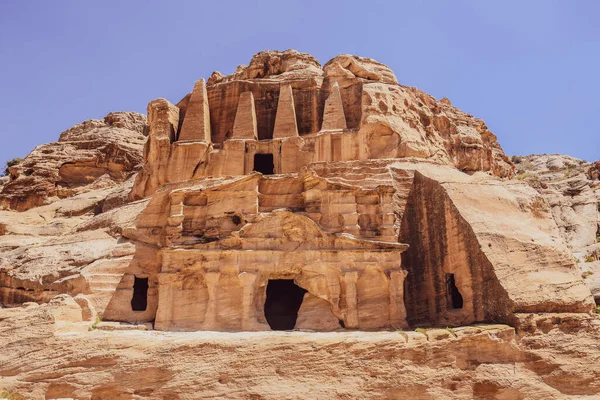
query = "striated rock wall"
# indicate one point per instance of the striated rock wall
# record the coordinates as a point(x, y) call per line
point(48, 352)
point(493, 243)
point(572, 189)
point(95, 154)
point(284, 105)
point(283, 197)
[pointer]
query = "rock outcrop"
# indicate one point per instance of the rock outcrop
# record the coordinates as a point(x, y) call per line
point(290, 196)
point(48, 352)
point(351, 109)
point(572, 189)
point(95, 154)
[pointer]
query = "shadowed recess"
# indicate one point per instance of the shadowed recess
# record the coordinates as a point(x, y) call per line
point(263, 163)
point(284, 298)
point(139, 301)
point(455, 298)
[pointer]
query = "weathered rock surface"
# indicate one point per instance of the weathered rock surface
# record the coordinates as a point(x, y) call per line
point(351, 109)
point(283, 197)
point(95, 154)
point(495, 240)
point(72, 246)
point(572, 189)
point(48, 352)
point(73, 243)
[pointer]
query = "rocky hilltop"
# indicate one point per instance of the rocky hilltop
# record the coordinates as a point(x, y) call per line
point(95, 154)
point(386, 233)
point(572, 189)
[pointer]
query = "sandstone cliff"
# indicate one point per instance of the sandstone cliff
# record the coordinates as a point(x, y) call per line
point(380, 207)
point(572, 188)
point(95, 154)
point(291, 97)
point(48, 352)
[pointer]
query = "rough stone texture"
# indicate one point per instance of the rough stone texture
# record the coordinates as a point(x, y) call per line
point(69, 246)
point(245, 118)
point(198, 241)
point(298, 109)
point(92, 155)
point(48, 352)
point(163, 122)
point(477, 229)
point(196, 125)
point(210, 247)
point(333, 115)
point(285, 119)
point(593, 172)
point(572, 190)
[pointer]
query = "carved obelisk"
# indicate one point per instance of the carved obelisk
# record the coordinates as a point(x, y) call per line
point(333, 115)
point(285, 119)
point(244, 126)
point(196, 123)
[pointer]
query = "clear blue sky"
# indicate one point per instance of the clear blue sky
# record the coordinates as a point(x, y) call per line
point(530, 69)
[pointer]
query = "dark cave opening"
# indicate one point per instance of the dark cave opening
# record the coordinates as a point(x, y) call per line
point(139, 301)
point(455, 299)
point(263, 163)
point(283, 301)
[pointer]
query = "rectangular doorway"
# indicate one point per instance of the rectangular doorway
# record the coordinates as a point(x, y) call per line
point(263, 163)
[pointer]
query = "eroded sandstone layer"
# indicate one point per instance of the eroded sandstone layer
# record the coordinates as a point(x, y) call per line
point(48, 352)
point(330, 200)
point(92, 155)
point(572, 189)
point(285, 105)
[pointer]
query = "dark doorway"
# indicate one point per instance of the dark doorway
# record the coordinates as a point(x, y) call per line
point(284, 298)
point(139, 301)
point(263, 163)
point(455, 299)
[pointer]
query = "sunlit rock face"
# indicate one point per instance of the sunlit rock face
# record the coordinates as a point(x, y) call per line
point(96, 154)
point(287, 196)
point(290, 196)
point(572, 189)
point(282, 197)
point(285, 105)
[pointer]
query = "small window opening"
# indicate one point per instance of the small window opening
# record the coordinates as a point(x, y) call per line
point(263, 163)
point(283, 301)
point(139, 301)
point(455, 299)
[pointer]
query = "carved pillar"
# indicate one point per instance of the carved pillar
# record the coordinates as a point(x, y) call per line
point(397, 308)
point(333, 286)
point(212, 283)
point(351, 300)
point(248, 280)
point(164, 313)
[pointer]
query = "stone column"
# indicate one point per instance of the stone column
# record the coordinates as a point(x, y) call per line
point(248, 280)
point(397, 308)
point(333, 288)
point(351, 312)
point(212, 282)
point(244, 126)
point(164, 310)
point(333, 115)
